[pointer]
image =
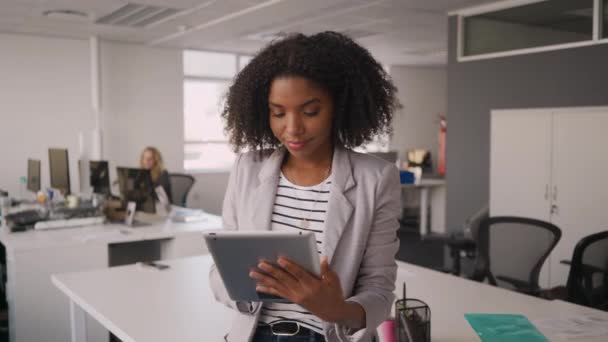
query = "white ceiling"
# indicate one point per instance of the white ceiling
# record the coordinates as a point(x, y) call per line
point(406, 32)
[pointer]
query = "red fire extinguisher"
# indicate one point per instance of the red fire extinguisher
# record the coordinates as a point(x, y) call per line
point(441, 152)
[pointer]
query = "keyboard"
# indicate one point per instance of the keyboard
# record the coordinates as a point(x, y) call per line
point(83, 211)
point(69, 223)
point(25, 218)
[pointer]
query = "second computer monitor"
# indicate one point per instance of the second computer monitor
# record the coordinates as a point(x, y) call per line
point(136, 185)
point(60, 170)
point(100, 177)
point(33, 175)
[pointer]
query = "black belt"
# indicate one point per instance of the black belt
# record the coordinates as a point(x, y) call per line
point(287, 329)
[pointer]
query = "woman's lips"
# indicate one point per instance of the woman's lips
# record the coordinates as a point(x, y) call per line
point(296, 145)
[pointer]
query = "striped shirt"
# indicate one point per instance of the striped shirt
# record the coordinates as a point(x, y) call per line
point(293, 203)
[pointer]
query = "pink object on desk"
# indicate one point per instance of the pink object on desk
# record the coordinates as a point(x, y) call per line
point(387, 331)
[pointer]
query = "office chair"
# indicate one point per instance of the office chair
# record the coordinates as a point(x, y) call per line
point(588, 278)
point(462, 242)
point(512, 250)
point(181, 184)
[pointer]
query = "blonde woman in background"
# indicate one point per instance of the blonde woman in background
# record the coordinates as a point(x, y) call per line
point(152, 160)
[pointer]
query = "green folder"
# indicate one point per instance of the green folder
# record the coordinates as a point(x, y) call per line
point(504, 328)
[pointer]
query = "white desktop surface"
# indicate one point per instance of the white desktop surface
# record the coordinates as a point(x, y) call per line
point(139, 303)
point(110, 232)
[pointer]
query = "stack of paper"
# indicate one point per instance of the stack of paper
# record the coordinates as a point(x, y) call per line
point(571, 328)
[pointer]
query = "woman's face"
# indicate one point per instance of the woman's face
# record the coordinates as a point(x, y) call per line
point(301, 114)
point(148, 160)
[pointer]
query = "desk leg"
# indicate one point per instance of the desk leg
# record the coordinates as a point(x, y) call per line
point(424, 205)
point(78, 327)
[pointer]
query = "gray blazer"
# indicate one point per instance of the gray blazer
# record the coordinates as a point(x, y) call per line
point(360, 235)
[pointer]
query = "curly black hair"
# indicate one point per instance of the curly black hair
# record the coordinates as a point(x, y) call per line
point(362, 92)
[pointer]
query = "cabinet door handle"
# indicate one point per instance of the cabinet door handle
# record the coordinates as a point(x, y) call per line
point(555, 192)
point(554, 210)
point(546, 191)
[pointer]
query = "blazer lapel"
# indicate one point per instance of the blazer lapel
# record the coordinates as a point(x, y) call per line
point(339, 208)
point(263, 196)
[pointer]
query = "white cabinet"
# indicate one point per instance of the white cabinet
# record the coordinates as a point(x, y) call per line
point(39, 311)
point(520, 164)
point(551, 164)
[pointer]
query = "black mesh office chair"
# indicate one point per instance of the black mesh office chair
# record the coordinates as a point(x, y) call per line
point(180, 187)
point(588, 277)
point(512, 250)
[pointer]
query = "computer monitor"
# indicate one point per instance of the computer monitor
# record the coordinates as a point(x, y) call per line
point(136, 185)
point(100, 177)
point(60, 170)
point(33, 175)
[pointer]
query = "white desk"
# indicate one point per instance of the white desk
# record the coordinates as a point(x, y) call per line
point(144, 304)
point(438, 205)
point(37, 310)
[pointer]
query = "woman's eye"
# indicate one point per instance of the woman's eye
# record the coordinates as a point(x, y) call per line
point(311, 113)
point(278, 115)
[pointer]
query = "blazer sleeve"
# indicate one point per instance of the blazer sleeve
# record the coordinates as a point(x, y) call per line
point(376, 279)
point(229, 222)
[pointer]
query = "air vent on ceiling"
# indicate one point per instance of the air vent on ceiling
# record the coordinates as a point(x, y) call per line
point(66, 14)
point(137, 15)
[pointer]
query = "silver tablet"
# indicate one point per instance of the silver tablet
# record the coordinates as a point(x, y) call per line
point(235, 253)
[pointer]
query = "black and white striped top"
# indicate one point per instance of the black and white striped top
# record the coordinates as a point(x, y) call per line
point(292, 204)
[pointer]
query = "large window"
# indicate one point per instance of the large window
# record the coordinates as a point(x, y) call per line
point(207, 77)
point(501, 30)
point(534, 25)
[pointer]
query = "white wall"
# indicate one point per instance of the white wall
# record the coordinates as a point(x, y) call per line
point(208, 191)
point(45, 101)
point(422, 92)
point(142, 104)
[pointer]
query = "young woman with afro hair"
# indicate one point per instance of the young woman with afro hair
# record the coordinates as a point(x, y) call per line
point(299, 107)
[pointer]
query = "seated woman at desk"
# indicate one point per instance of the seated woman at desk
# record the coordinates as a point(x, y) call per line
point(152, 160)
point(300, 106)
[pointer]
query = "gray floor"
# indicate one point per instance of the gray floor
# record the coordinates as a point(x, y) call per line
point(419, 252)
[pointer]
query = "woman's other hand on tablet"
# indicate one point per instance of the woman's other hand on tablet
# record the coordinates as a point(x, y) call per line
point(322, 296)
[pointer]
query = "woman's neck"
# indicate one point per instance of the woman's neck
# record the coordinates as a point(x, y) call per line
point(320, 159)
point(308, 171)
